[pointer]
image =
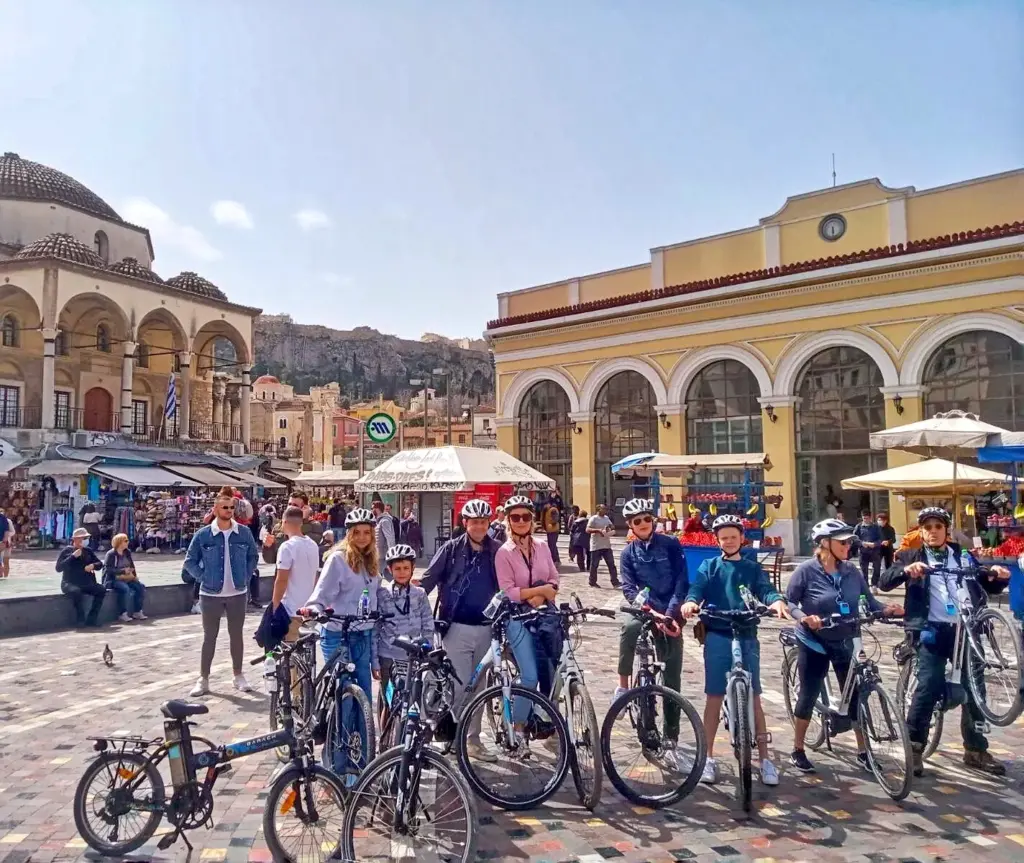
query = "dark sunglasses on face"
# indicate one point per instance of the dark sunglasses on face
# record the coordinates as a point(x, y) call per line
point(520, 517)
point(643, 519)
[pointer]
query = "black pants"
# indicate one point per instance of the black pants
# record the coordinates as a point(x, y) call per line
point(605, 554)
point(813, 668)
point(254, 587)
point(78, 593)
point(871, 558)
point(887, 556)
point(581, 555)
point(553, 546)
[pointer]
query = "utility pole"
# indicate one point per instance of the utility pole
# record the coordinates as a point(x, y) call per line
point(426, 396)
point(447, 398)
point(468, 410)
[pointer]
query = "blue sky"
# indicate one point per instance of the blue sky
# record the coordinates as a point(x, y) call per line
point(398, 164)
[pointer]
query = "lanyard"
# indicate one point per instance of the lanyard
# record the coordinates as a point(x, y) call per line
point(944, 593)
point(529, 564)
point(396, 594)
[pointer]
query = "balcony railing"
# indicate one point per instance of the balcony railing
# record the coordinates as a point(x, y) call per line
point(215, 432)
point(20, 418)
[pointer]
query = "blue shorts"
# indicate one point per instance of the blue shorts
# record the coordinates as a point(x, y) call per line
point(718, 662)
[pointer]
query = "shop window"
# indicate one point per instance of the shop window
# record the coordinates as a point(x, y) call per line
point(102, 246)
point(103, 338)
point(11, 333)
point(625, 423)
point(545, 432)
point(10, 402)
point(140, 416)
point(979, 372)
point(62, 410)
point(142, 355)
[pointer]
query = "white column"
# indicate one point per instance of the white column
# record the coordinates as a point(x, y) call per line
point(185, 395)
point(49, 398)
point(127, 378)
point(245, 414)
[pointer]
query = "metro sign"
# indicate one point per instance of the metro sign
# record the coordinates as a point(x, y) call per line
point(381, 428)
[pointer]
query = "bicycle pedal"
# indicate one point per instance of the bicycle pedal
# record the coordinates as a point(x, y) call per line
point(982, 728)
point(167, 841)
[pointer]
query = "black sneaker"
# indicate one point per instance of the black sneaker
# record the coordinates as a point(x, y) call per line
point(917, 752)
point(798, 758)
point(862, 760)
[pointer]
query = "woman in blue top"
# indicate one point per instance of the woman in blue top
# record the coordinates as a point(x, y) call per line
point(718, 583)
point(826, 584)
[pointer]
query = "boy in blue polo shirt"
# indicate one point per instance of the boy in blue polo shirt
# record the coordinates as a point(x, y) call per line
point(718, 582)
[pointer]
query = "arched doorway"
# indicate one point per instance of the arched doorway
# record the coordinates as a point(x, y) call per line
point(625, 423)
point(98, 410)
point(839, 404)
point(980, 372)
point(545, 441)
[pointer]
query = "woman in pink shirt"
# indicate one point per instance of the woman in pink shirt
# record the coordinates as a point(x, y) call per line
point(528, 575)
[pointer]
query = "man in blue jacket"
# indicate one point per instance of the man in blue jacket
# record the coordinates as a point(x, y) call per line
point(220, 559)
point(654, 561)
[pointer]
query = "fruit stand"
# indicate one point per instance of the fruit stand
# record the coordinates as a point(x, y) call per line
point(1008, 449)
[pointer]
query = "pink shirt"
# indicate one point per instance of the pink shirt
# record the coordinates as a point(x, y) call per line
point(514, 573)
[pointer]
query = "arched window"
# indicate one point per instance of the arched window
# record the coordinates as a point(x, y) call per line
point(839, 404)
point(102, 246)
point(103, 338)
point(283, 443)
point(722, 411)
point(60, 344)
point(142, 355)
point(545, 433)
point(11, 332)
point(979, 372)
point(625, 423)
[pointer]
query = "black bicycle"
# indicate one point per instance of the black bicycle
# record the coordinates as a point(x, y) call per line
point(121, 798)
point(643, 758)
point(410, 802)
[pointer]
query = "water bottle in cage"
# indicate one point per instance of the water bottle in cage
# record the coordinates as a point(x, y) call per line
point(364, 602)
point(747, 596)
point(494, 606)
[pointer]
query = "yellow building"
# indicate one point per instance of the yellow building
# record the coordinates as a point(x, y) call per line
point(850, 309)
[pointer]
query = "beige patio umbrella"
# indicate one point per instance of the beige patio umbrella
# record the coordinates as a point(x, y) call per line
point(946, 435)
point(931, 477)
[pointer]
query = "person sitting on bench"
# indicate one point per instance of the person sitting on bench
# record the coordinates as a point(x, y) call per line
point(77, 565)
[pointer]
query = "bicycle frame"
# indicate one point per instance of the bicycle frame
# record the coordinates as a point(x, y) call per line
point(739, 674)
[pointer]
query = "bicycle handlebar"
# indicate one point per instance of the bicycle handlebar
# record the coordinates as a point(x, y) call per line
point(328, 615)
point(736, 614)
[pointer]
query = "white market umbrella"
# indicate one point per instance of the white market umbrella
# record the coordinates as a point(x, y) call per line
point(934, 476)
point(451, 468)
point(949, 435)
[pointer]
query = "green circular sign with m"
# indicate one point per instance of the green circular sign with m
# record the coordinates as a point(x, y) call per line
point(380, 428)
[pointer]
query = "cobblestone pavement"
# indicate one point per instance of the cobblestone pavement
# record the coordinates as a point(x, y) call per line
point(55, 690)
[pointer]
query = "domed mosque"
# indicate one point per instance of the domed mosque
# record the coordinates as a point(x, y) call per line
point(91, 335)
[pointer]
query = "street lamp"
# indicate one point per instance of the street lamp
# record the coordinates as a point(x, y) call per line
point(467, 411)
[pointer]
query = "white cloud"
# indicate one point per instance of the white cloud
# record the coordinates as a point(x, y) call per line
point(311, 220)
point(167, 232)
point(231, 213)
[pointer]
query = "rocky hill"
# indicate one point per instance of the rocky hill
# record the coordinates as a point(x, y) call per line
point(365, 362)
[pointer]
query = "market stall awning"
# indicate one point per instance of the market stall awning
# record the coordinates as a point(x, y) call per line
point(252, 479)
point(59, 467)
point(331, 476)
point(646, 462)
point(934, 476)
point(947, 434)
point(205, 476)
point(451, 468)
point(143, 477)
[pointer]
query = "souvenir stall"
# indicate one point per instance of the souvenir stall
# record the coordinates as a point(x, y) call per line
point(431, 480)
point(323, 486)
point(61, 488)
point(19, 499)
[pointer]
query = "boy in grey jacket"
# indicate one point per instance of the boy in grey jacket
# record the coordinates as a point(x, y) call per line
point(410, 607)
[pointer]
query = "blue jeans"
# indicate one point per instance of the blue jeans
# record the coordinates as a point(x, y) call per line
point(350, 721)
point(128, 593)
point(521, 641)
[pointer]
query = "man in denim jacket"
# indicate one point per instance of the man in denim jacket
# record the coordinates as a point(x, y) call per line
point(220, 558)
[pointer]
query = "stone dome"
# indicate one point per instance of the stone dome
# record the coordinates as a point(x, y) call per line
point(133, 269)
point(195, 284)
point(23, 180)
point(266, 379)
point(64, 247)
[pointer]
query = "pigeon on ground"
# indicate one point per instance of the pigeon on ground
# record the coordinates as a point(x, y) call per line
point(108, 655)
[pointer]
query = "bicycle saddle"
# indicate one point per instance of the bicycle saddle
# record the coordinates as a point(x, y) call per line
point(177, 709)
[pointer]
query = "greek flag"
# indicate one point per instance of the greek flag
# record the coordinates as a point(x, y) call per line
point(171, 404)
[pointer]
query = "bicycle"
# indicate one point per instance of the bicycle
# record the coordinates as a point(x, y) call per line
point(661, 761)
point(510, 745)
point(299, 681)
point(738, 704)
point(878, 718)
point(985, 641)
point(571, 695)
point(410, 796)
point(302, 791)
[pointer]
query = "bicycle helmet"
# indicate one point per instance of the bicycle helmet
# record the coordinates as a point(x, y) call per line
point(476, 509)
point(399, 552)
point(359, 516)
point(831, 528)
point(637, 506)
point(727, 521)
point(934, 512)
point(518, 502)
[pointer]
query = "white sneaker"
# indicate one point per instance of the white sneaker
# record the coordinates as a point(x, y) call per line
point(669, 756)
point(769, 772)
point(477, 752)
point(619, 692)
point(196, 609)
point(139, 616)
point(202, 687)
point(124, 617)
point(710, 774)
point(241, 684)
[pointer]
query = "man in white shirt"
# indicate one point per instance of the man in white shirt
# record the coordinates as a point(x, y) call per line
point(298, 559)
point(384, 529)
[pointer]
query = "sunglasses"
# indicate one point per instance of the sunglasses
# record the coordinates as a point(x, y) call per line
point(643, 519)
point(520, 517)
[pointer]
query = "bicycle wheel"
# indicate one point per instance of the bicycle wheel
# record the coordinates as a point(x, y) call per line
point(815, 736)
point(643, 762)
point(439, 820)
point(906, 686)
point(887, 740)
point(739, 697)
point(994, 667)
point(303, 815)
point(349, 749)
point(506, 770)
point(123, 813)
point(585, 745)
